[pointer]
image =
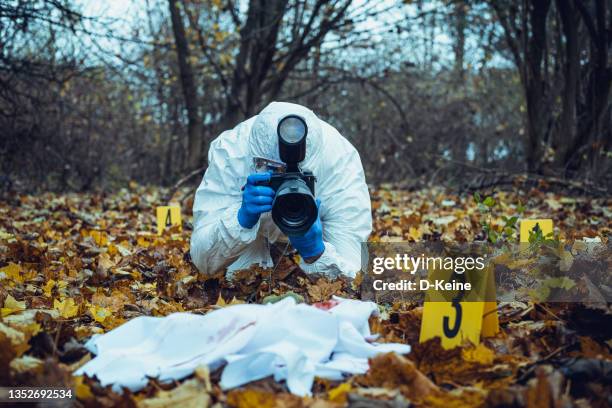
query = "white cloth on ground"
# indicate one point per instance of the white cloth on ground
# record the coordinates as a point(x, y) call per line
point(292, 342)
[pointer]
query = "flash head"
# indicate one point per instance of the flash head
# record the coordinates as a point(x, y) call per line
point(292, 129)
point(292, 132)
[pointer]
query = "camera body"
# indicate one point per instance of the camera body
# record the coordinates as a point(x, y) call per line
point(294, 209)
point(277, 180)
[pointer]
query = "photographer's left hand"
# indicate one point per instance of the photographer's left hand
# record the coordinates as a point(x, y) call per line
point(310, 245)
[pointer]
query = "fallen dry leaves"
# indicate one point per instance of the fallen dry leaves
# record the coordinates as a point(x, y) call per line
point(394, 371)
point(75, 265)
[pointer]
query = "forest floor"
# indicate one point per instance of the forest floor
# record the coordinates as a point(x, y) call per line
point(74, 265)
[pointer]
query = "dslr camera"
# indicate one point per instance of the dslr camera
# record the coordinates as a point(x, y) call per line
point(294, 209)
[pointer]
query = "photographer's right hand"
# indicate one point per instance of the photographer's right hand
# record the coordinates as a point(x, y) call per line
point(256, 199)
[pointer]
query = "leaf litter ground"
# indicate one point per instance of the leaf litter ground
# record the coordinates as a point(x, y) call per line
point(74, 265)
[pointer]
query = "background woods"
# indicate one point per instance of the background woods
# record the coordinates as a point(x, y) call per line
point(106, 105)
point(95, 96)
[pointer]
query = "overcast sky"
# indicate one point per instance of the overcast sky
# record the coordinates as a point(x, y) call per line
point(126, 12)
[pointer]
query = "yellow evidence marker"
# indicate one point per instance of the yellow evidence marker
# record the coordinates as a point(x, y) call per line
point(458, 321)
point(544, 225)
point(168, 216)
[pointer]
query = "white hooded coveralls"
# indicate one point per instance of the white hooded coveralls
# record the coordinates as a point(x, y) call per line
point(219, 241)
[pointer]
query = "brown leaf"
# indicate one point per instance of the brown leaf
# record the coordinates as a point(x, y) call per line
point(190, 394)
point(6, 356)
point(394, 371)
point(256, 398)
point(104, 265)
point(323, 290)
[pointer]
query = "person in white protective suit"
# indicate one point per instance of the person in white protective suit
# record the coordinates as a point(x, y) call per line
point(232, 225)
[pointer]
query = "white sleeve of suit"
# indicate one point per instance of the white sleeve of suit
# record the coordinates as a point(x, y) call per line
point(345, 215)
point(218, 239)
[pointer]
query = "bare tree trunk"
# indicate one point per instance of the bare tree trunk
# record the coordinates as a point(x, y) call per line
point(190, 92)
point(592, 111)
point(536, 87)
point(316, 63)
point(266, 58)
point(460, 23)
point(258, 46)
point(571, 70)
point(524, 27)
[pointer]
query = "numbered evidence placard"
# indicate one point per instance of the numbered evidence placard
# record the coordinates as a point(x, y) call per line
point(464, 317)
point(527, 226)
point(168, 216)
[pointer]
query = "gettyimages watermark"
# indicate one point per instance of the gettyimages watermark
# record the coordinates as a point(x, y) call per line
point(483, 272)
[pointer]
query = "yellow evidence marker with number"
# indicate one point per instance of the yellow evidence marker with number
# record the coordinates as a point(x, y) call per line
point(458, 321)
point(168, 216)
point(453, 322)
point(544, 225)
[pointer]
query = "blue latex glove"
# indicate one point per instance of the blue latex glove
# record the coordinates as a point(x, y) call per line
point(255, 200)
point(310, 244)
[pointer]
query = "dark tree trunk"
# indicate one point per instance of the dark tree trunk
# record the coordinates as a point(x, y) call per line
point(190, 92)
point(525, 31)
point(257, 50)
point(536, 86)
point(571, 71)
point(591, 127)
point(460, 25)
point(264, 62)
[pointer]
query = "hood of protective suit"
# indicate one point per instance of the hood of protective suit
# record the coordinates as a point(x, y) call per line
point(263, 139)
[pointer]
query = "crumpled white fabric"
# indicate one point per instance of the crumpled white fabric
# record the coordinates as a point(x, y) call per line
point(292, 342)
point(218, 241)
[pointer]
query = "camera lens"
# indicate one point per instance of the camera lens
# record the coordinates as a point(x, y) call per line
point(294, 209)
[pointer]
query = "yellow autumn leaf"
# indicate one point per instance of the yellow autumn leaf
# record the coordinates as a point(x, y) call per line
point(82, 390)
point(26, 364)
point(415, 233)
point(220, 301)
point(236, 301)
point(190, 394)
point(18, 341)
point(67, 308)
point(61, 286)
point(49, 287)
point(142, 242)
point(338, 394)
point(11, 271)
point(520, 263)
point(566, 260)
point(104, 263)
point(11, 305)
point(5, 235)
point(99, 237)
point(397, 230)
point(251, 398)
point(84, 331)
point(99, 313)
point(479, 354)
point(31, 329)
point(553, 203)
